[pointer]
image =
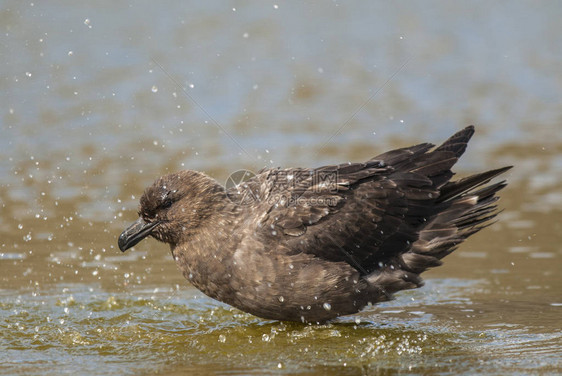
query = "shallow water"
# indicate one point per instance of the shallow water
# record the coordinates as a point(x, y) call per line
point(98, 100)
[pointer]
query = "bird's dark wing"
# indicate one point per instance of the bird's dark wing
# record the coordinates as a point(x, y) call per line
point(370, 214)
point(339, 213)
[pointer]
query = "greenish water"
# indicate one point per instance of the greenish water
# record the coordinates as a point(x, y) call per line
point(92, 113)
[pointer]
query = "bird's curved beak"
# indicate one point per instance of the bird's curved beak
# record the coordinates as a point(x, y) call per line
point(136, 232)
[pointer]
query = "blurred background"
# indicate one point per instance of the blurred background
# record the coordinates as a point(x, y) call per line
point(101, 98)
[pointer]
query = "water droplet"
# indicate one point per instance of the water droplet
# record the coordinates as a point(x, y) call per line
point(154, 89)
point(222, 338)
point(327, 306)
point(281, 299)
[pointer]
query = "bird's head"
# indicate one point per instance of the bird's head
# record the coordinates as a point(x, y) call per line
point(172, 207)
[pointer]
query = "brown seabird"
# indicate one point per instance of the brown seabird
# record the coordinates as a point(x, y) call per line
point(313, 244)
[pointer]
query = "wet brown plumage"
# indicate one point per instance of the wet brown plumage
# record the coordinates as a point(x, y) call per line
point(313, 244)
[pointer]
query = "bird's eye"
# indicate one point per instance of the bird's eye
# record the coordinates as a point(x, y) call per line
point(166, 204)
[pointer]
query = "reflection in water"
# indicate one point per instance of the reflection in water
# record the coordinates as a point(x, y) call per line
point(83, 132)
